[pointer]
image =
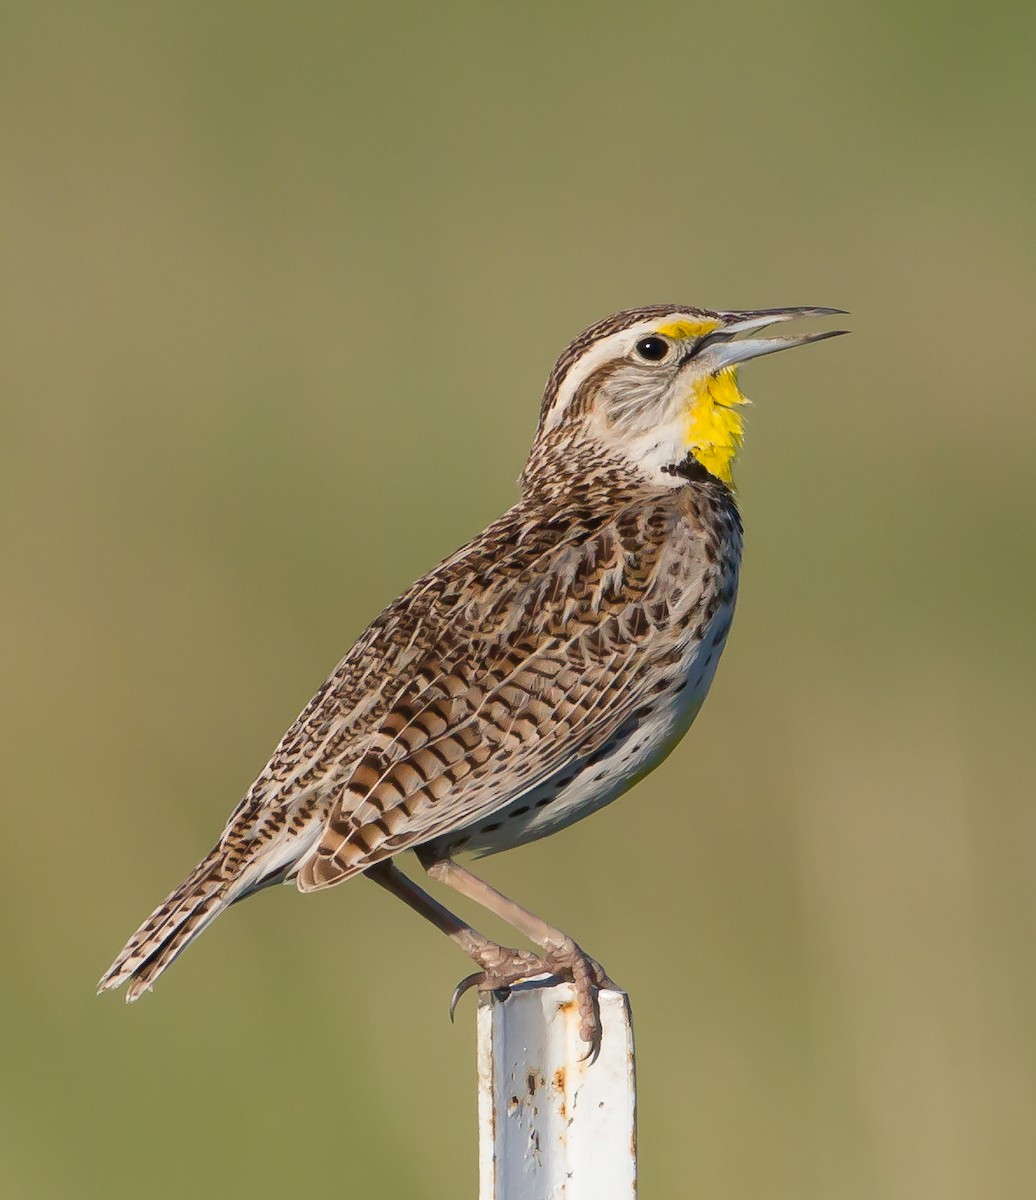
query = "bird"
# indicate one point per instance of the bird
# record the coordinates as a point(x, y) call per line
point(534, 675)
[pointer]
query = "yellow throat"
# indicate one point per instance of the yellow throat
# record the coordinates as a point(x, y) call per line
point(713, 430)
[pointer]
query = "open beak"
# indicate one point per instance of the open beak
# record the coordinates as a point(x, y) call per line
point(719, 349)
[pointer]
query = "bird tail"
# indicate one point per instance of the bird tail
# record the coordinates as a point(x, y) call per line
point(178, 920)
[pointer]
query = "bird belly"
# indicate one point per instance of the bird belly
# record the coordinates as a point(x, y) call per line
point(589, 783)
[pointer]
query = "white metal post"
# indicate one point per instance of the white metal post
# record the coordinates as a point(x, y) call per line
point(552, 1126)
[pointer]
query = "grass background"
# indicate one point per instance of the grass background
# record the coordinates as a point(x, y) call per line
point(279, 288)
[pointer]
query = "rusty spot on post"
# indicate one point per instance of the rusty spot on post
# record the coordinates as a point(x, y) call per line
point(560, 1076)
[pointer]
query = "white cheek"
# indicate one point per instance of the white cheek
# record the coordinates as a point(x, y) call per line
point(655, 441)
point(657, 450)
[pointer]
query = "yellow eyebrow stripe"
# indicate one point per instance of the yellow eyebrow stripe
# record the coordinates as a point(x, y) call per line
point(688, 329)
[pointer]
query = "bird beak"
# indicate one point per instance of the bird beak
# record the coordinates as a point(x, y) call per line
point(720, 350)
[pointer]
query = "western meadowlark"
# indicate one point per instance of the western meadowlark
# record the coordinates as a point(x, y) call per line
point(534, 675)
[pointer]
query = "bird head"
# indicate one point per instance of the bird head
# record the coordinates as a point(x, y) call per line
point(654, 386)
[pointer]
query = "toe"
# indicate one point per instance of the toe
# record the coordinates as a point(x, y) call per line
point(569, 962)
point(601, 977)
point(501, 967)
point(590, 1024)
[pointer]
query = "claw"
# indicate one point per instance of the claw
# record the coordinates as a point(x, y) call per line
point(465, 985)
point(591, 1034)
point(502, 968)
point(568, 961)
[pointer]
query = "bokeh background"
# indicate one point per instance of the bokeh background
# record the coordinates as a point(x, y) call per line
point(280, 286)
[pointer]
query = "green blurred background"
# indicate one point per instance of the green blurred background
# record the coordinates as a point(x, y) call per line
point(280, 285)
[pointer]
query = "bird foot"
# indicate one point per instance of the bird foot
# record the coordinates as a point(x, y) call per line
point(569, 961)
point(501, 967)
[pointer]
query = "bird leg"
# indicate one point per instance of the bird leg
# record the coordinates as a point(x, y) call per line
point(562, 956)
point(500, 965)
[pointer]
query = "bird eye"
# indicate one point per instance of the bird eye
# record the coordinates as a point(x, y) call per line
point(653, 349)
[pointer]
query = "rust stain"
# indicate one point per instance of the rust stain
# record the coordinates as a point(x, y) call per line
point(560, 1077)
point(530, 1083)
